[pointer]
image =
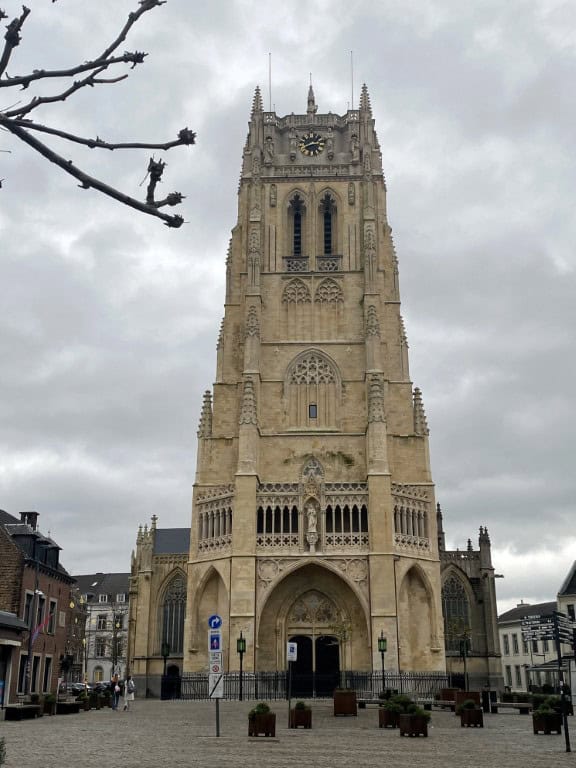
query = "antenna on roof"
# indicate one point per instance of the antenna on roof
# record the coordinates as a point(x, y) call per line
point(352, 77)
point(270, 82)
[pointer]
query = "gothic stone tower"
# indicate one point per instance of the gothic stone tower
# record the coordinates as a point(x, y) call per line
point(313, 506)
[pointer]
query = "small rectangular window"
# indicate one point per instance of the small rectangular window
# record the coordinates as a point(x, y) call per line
point(545, 646)
point(312, 411)
point(102, 598)
point(570, 609)
point(506, 645)
point(515, 648)
point(508, 671)
point(52, 617)
point(518, 673)
point(121, 597)
point(534, 646)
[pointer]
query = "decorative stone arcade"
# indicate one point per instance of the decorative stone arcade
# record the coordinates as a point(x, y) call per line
point(313, 505)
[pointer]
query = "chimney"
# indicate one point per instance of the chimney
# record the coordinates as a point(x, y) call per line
point(30, 518)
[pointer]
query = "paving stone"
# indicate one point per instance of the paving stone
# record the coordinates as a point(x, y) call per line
point(178, 734)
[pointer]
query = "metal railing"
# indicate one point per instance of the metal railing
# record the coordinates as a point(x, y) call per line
point(274, 685)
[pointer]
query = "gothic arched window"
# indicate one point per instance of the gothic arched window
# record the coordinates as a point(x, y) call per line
point(328, 220)
point(456, 610)
point(296, 213)
point(173, 610)
point(313, 380)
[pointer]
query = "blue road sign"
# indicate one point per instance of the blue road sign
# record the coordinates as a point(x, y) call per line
point(215, 621)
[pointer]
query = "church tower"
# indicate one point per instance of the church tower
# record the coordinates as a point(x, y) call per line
point(314, 515)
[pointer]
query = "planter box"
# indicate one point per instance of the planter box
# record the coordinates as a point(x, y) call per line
point(49, 707)
point(300, 718)
point(547, 723)
point(345, 702)
point(462, 696)
point(413, 725)
point(262, 724)
point(472, 718)
point(387, 719)
point(67, 707)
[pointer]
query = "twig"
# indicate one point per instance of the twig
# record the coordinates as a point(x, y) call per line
point(12, 37)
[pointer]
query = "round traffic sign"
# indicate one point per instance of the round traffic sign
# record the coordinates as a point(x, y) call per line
point(215, 621)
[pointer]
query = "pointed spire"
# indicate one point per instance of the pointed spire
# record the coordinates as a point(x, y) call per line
point(420, 423)
point(220, 335)
point(469, 547)
point(257, 102)
point(403, 337)
point(312, 107)
point(205, 425)
point(440, 527)
point(248, 412)
point(365, 105)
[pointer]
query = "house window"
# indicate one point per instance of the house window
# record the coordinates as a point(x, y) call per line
point(506, 643)
point(22, 672)
point(173, 611)
point(101, 621)
point(35, 670)
point(518, 673)
point(508, 673)
point(28, 607)
point(525, 649)
point(545, 646)
point(534, 646)
point(47, 674)
point(40, 611)
point(121, 598)
point(100, 647)
point(515, 648)
point(52, 617)
point(102, 598)
point(98, 674)
point(570, 610)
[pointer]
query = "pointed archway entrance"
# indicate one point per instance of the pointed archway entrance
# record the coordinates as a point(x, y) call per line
point(307, 607)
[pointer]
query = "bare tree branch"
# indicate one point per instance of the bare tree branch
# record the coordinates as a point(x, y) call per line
point(12, 37)
point(129, 57)
point(14, 120)
point(185, 138)
point(88, 181)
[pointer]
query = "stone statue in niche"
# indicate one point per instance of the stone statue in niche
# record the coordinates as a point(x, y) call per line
point(312, 520)
point(330, 144)
point(351, 193)
point(311, 527)
point(269, 151)
point(273, 195)
point(355, 148)
point(292, 144)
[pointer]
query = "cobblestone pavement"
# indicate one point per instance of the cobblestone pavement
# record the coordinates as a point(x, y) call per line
point(174, 734)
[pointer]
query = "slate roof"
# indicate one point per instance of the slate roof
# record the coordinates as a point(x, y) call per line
point(521, 611)
point(569, 586)
point(103, 584)
point(7, 519)
point(172, 541)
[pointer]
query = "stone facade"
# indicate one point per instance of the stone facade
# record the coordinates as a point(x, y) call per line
point(313, 476)
point(314, 514)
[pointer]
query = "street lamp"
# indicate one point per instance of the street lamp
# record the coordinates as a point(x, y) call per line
point(464, 649)
point(382, 645)
point(241, 650)
point(165, 652)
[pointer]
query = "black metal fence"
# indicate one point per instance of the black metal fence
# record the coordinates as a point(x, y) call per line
point(274, 685)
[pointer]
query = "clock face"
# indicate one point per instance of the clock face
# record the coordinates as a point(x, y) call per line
point(311, 144)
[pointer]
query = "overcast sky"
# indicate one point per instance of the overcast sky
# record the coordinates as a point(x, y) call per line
point(109, 319)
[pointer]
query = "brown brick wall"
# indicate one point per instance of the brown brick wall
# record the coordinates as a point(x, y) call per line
point(11, 566)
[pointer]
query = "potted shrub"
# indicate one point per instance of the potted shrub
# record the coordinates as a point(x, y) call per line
point(388, 714)
point(261, 720)
point(49, 704)
point(546, 720)
point(345, 701)
point(414, 722)
point(84, 701)
point(300, 716)
point(471, 716)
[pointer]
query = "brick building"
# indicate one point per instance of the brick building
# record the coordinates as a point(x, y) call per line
point(37, 601)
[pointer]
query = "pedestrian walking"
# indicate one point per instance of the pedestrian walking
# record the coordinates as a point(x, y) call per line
point(115, 688)
point(129, 692)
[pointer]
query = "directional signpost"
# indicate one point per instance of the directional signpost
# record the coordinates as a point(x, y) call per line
point(215, 671)
point(559, 628)
point(291, 655)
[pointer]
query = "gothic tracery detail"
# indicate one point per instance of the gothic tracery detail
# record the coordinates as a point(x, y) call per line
point(313, 369)
point(248, 412)
point(296, 292)
point(376, 399)
point(329, 292)
point(252, 323)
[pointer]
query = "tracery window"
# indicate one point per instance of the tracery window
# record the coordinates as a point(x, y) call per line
point(296, 215)
point(328, 216)
point(173, 611)
point(456, 612)
point(313, 392)
point(329, 292)
point(296, 292)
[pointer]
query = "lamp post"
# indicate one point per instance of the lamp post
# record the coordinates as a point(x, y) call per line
point(464, 648)
point(241, 650)
point(116, 625)
point(382, 645)
point(165, 652)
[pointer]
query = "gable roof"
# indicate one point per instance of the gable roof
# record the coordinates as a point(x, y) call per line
point(521, 611)
point(103, 584)
point(569, 585)
point(172, 541)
